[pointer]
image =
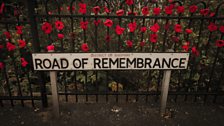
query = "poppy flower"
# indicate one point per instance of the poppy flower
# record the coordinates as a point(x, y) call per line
point(7, 34)
point(60, 36)
point(188, 31)
point(132, 26)
point(2, 8)
point(129, 2)
point(59, 25)
point(129, 43)
point(195, 51)
point(180, 9)
point(119, 30)
point(185, 47)
point(107, 38)
point(156, 11)
point(71, 8)
point(96, 9)
point(22, 43)
point(24, 63)
point(220, 43)
point(145, 11)
point(19, 30)
point(153, 38)
point(212, 27)
point(50, 48)
point(143, 29)
point(97, 22)
point(10, 46)
point(85, 47)
point(155, 28)
point(106, 10)
point(49, 12)
point(178, 28)
point(108, 23)
point(1, 65)
point(193, 8)
point(1, 47)
point(212, 14)
point(84, 25)
point(120, 12)
point(82, 8)
point(169, 10)
point(132, 13)
point(142, 43)
point(46, 27)
point(221, 29)
point(204, 12)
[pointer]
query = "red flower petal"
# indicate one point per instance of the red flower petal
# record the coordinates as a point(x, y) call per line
point(119, 30)
point(145, 11)
point(22, 43)
point(85, 47)
point(96, 9)
point(50, 48)
point(212, 27)
point(129, 43)
point(178, 28)
point(143, 29)
point(97, 22)
point(59, 25)
point(7, 34)
point(180, 9)
point(221, 29)
point(193, 8)
point(120, 12)
point(46, 27)
point(108, 23)
point(204, 12)
point(84, 25)
point(220, 43)
point(129, 2)
point(188, 31)
point(1, 65)
point(10, 46)
point(82, 8)
point(132, 26)
point(60, 36)
point(156, 11)
point(155, 28)
point(153, 38)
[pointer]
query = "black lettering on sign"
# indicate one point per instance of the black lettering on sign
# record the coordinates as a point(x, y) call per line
point(131, 62)
point(157, 63)
point(96, 62)
point(84, 61)
point(140, 63)
point(55, 64)
point(38, 62)
point(64, 63)
point(47, 63)
point(148, 62)
point(122, 63)
point(173, 63)
point(105, 63)
point(77, 63)
point(113, 62)
point(164, 61)
point(182, 60)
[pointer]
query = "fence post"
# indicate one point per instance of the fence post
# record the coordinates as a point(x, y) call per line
point(36, 47)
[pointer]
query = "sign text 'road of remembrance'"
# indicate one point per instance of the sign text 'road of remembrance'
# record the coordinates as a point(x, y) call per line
point(109, 61)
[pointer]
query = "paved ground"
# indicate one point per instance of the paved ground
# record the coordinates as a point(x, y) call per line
point(116, 114)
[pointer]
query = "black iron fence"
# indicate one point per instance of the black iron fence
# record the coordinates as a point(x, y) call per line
point(111, 26)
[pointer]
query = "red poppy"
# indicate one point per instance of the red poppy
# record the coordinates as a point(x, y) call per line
point(180, 9)
point(108, 23)
point(7, 34)
point(129, 43)
point(107, 38)
point(24, 63)
point(204, 12)
point(2, 8)
point(175, 39)
point(10, 46)
point(142, 43)
point(49, 12)
point(129, 2)
point(119, 30)
point(1, 47)
point(155, 28)
point(153, 38)
point(221, 29)
point(47, 27)
point(50, 48)
point(96, 9)
point(22, 43)
point(169, 10)
point(143, 29)
point(69, 8)
point(60, 36)
point(195, 51)
point(84, 25)
point(120, 12)
point(145, 11)
point(193, 8)
point(59, 25)
point(185, 47)
point(85, 47)
point(19, 30)
point(212, 14)
point(188, 31)
point(97, 22)
point(1, 65)
point(212, 27)
point(106, 10)
point(132, 13)
point(178, 28)
point(220, 43)
point(156, 11)
point(82, 8)
point(132, 26)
